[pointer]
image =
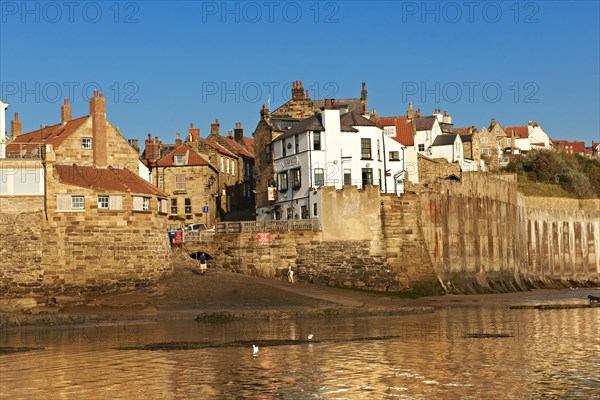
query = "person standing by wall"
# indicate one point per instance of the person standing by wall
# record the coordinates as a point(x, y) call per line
point(290, 274)
point(202, 263)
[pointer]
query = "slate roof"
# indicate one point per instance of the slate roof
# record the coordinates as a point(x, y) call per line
point(313, 123)
point(354, 104)
point(105, 179)
point(352, 118)
point(425, 123)
point(404, 132)
point(444, 140)
point(238, 147)
point(466, 138)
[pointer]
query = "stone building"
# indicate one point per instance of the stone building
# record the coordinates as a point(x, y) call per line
point(273, 124)
point(214, 174)
point(480, 145)
point(73, 203)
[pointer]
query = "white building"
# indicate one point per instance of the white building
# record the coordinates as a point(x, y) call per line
point(334, 148)
point(448, 146)
point(3, 139)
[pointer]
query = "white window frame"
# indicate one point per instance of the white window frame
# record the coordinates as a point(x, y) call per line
point(103, 202)
point(179, 159)
point(180, 182)
point(86, 143)
point(75, 204)
point(145, 203)
point(319, 172)
point(484, 140)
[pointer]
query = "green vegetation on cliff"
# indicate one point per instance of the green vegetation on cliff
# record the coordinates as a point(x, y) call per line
point(556, 174)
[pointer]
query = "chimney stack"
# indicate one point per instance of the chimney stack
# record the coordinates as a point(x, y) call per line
point(194, 133)
point(297, 90)
point(230, 134)
point(66, 112)
point(135, 144)
point(447, 119)
point(363, 99)
point(98, 114)
point(265, 113)
point(528, 123)
point(238, 132)
point(16, 126)
point(215, 127)
point(307, 94)
point(178, 138)
point(410, 113)
point(418, 113)
point(149, 148)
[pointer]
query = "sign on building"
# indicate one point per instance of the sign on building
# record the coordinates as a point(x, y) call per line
point(178, 236)
point(263, 239)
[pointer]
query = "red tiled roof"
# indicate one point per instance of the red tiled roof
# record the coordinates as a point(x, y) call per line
point(520, 131)
point(231, 141)
point(218, 147)
point(54, 135)
point(404, 132)
point(108, 179)
point(193, 158)
point(462, 131)
point(249, 143)
point(571, 147)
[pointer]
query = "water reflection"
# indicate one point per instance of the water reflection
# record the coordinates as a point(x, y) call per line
point(548, 354)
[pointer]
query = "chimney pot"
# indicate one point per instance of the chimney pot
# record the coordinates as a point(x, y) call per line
point(307, 94)
point(66, 112)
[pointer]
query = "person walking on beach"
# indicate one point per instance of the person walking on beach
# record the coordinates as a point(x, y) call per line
point(290, 274)
point(202, 263)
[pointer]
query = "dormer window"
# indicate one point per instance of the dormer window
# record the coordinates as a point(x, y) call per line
point(179, 159)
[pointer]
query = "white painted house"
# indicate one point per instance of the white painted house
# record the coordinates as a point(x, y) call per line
point(334, 148)
point(448, 146)
point(3, 139)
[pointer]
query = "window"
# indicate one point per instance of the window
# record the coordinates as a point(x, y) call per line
point(319, 177)
point(283, 153)
point(296, 144)
point(422, 147)
point(394, 156)
point(378, 151)
point(296, 180)
point(497, 131)
point(222, 165)
point(233, 171)
point(304, 212)
point(389, 131)
point(76, 202)
point(173, 206)
point(268, 157)
point(161, 181)
point(365, 149)
point(103, 202)
point(508, 140)
point(141, 203)
point(86, 143)
point(315, 209)
point(486, 152)
point(316, 140)
point(179, 159)
point(367, 176)
point(347, 176)
point(179, 182)
point(162, 206)
point(188, 205)
point(282, 181)
point(379, 176)
point(483, 140)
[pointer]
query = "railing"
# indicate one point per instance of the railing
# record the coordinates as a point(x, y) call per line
point(198, 236)
point(269, 226)
point(33, 150)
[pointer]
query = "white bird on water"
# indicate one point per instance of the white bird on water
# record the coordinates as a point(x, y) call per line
point(254, 349)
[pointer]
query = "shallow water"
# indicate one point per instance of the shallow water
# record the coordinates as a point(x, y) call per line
point(544, 354)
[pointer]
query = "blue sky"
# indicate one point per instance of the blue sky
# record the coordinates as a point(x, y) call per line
point(162, 65)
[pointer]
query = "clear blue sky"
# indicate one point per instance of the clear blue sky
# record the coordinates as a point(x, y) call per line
point(162, 65)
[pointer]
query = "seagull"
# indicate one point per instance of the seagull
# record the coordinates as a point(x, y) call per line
point(310, 336)
point(254, 349)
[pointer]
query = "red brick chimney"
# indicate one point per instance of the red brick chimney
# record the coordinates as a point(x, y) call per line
point(149, 148)
point(16, 126)
point(66, 112)
point(99, 143)
point(265, 113)
point(238, 132)
point(214, 128)
point(194, 132)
